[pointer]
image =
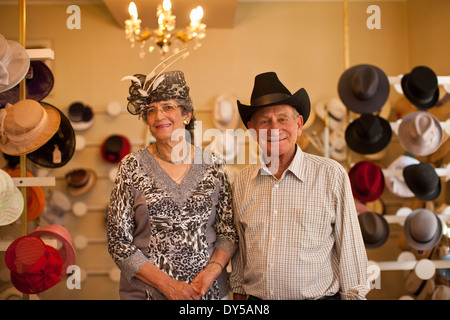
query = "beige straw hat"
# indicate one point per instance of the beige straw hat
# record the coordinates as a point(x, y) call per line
point(26, 126)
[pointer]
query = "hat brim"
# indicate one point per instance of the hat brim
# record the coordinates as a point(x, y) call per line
point(299, 100)
point(13, 212)
point(357, 105)
point(67, 250)
point(421, 245)
point(76, 192)
point(17, 68)
point(410, 96)
point(54, 120)
point(64, 138)
point(364, 147)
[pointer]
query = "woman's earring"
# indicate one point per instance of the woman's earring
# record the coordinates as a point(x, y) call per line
point(186, 121)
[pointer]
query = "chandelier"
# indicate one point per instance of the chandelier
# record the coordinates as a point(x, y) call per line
point(164, 38)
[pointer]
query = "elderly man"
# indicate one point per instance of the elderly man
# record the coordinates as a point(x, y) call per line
point(296, 217)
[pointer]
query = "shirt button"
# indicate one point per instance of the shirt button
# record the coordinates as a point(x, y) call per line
point(275, 211)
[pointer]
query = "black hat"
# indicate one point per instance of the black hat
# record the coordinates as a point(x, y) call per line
point(269, 91)
point(422, 180)
point(421, 87)
point(63, 141)
point(39, 83)
point(363, 88)
point(368, 134)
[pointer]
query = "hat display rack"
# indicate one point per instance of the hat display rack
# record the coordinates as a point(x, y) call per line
point(25, 182)
point(423, 269)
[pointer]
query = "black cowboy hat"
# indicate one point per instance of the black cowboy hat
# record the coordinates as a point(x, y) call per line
point(269, 91)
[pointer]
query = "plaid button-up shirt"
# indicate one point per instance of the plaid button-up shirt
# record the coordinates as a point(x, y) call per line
point(299, 236)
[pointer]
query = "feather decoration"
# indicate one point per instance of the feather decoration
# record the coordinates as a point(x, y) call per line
point(152, 74)
point(143, 93)
point(157, 81)
point(185, 53)
point(132, 78)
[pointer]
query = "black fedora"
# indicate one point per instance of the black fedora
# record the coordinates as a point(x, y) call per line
point(422, 180)
point(368, 134)
point(363, 88)
point(269, 91)
point(63, 140)
point(421, 87)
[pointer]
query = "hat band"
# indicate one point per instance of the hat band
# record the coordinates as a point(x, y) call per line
point(31, 135)
point(270, 98)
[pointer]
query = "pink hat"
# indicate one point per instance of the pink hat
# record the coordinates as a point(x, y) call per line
point(67, 250)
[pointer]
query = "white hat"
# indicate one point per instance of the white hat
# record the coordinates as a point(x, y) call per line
point(441, 292)
point(225, 115)
point(224, 144)
point(338, 146)
point(420, 133)
point(336, 110)
point(11, 200)
point(398, 185)
point(14, 63)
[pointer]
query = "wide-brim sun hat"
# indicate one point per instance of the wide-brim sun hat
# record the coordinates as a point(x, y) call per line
point(374, 229)
point(66, 248)
point(39, 83)
point(420, 87)
point(368, 134)
point(26, 126)
point(363, 88)
point(269, 91)
point(14, 63)
point(422, 229)
point(420, 133)
point(11, 200)
point(367, 181)
point(60, 148)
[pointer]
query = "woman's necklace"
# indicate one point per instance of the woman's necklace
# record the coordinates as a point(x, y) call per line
point(180, 179)
point(170, 161)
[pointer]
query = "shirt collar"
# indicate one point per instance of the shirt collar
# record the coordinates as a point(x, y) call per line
point(295, 167)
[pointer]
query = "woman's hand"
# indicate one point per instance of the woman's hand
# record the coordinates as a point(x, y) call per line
point(204, 280)
point(179, 290)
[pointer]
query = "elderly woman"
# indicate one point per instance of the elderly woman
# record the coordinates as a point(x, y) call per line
point(169, 223)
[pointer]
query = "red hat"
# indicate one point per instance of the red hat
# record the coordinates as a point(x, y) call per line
point(34, 266)
point(114, 148)
point(367, 181)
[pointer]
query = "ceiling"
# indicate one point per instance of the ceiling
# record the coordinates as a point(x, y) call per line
point(217, 13)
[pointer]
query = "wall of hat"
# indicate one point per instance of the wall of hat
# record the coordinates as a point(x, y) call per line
point(412, 175)
point(356, 134)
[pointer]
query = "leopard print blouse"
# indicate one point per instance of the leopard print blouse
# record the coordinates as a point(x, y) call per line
point(175, 227)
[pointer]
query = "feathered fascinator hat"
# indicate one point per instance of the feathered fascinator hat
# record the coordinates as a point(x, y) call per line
point(160, 86)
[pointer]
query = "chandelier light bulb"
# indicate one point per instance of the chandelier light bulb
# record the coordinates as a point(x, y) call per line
point(132, 10)
point(196, 15)
point(167, 5)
